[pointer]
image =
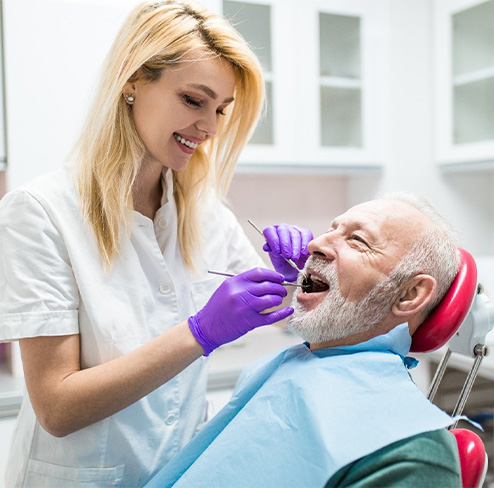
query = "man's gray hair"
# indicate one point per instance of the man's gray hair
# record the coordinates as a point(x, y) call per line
point(434, 252)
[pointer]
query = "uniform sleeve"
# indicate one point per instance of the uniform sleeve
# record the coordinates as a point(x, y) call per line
point(38, 292)
point(426, 460)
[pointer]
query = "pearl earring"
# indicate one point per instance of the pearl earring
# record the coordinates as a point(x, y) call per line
point(130, 98)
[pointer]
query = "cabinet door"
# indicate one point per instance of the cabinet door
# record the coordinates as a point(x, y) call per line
point(465, 81)
point(259, 35)
point(267, 25)
point(323, 63)
point(343, 45)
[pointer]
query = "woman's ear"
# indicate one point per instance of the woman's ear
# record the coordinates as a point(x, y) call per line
point(414, 296)
point(130, 86)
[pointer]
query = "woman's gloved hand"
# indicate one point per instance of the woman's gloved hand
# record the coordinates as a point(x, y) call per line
point(287, 241)
point(235, 308)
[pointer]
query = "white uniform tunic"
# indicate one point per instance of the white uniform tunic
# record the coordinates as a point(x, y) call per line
point(52, 283)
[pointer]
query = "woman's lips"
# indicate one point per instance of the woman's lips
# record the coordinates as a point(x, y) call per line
point(187, 145)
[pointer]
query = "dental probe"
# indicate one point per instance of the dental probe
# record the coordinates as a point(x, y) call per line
point(288, 260)
point(285, 283)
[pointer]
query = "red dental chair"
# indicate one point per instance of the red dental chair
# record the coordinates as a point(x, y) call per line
point(464, 317)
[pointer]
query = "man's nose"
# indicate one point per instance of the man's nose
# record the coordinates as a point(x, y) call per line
point(323, 246)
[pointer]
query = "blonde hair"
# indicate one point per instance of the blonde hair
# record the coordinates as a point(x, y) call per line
point(109, 152)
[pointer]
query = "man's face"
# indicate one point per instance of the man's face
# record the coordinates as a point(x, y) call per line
point(337, 317)
point(349, 272)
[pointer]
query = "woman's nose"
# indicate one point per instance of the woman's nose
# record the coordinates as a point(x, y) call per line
point(208, 124)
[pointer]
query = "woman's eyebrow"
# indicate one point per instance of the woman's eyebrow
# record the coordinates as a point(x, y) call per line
point(209, 92)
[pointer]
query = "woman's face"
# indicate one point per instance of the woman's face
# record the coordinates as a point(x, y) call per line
point(179, 111)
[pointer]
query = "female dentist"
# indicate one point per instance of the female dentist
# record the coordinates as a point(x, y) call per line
point(103, 263)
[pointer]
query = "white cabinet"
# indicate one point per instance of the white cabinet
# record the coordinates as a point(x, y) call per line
point(464, 32)
point(324, 63)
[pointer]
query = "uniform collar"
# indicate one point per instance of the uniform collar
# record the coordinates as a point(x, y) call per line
point(167, 185)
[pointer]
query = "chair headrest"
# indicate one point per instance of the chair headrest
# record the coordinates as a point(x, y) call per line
point(450, 313)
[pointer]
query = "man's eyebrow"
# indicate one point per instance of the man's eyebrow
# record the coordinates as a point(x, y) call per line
point(209, 92)
point(368, 228)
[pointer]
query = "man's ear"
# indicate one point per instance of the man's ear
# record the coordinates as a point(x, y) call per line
point(415, 294)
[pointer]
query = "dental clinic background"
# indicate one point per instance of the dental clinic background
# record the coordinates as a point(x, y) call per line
point(364, 97)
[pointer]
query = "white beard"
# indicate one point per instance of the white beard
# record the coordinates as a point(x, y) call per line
point(336, 317)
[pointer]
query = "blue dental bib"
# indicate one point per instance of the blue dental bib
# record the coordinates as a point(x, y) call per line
point(298, 417)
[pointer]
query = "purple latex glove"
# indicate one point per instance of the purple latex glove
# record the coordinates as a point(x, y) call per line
point(235, 308)
point(287, 241)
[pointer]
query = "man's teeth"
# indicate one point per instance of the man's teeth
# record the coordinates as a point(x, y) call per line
point(185, 142)
point(311, 284)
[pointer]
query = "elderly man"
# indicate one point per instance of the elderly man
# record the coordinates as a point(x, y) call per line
point(341, 409)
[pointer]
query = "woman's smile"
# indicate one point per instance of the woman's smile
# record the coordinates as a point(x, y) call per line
point(185, 142)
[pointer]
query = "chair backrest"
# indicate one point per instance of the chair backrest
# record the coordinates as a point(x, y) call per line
point(473, 458)
point(437, 330)
point(447, 317)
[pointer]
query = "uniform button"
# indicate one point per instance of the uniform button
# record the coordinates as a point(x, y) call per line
point(170, 419)
point(163, 223)
point(165, 288)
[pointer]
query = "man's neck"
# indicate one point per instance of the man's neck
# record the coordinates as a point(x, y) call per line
point(381, 329)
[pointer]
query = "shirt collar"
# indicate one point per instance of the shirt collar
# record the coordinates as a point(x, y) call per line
point(167, 185)
point(397, 341)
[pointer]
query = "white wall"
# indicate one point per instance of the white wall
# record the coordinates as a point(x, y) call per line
point(53, 53)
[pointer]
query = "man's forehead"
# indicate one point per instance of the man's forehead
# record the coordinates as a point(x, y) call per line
point(369, 212)
point(379, 215)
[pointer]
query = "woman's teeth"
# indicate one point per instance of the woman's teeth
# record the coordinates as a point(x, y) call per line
point(185, 142)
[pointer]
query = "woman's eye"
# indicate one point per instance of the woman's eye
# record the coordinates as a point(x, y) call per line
point(191, 101)
point(221, 111)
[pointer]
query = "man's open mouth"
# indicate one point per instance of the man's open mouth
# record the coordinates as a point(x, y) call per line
point(312, 284)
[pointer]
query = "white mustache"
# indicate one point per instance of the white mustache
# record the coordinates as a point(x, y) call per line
point(323, 269)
